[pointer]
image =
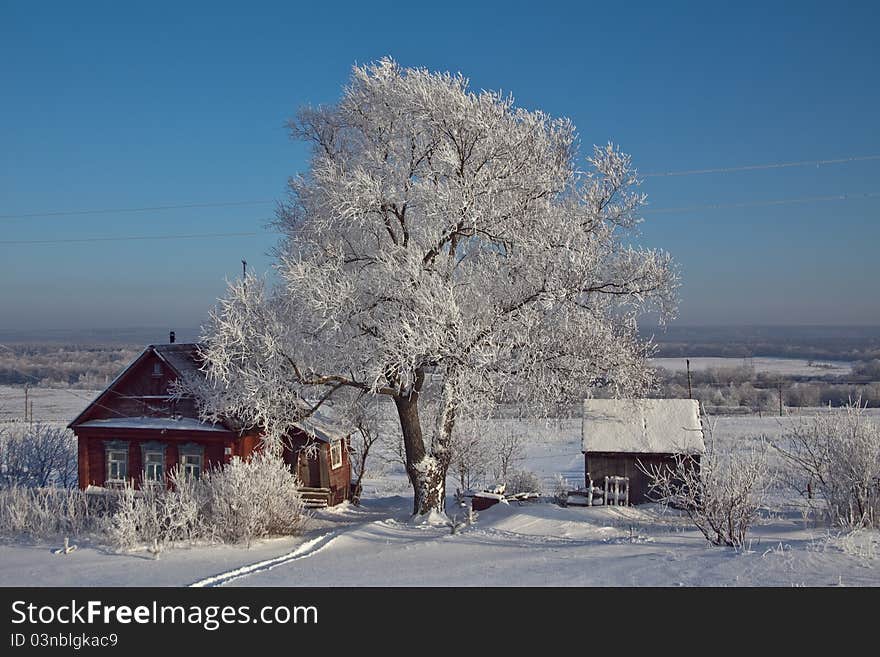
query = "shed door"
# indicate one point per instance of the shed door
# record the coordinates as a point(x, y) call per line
point(309, 470)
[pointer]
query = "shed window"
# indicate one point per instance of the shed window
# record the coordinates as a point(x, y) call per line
point(117, 465)
point(336, 454)
point(154, 465)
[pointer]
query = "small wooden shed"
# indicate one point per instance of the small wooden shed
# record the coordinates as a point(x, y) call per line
point(622, 436)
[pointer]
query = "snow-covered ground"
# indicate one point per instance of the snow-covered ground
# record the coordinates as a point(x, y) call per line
point(509, 545)
point(57, 405)
point(784, 366)
point(536, 543)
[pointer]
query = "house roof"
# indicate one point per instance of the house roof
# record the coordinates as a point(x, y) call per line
point(185, 361)
point(145, 422)
point(642, 426)
point(182, 358)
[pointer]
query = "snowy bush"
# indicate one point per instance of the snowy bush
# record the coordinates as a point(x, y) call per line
point(37, 455)
point(561, 486)
point(241, 501)
point(45, 513)
point(156, 516)
point(835, 457)
point(721, 492)
point(248, 499)
point(234, 503)
point(523, 481)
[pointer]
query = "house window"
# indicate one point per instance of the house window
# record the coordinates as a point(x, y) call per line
point(157, 369)
point(154, 464)
point(192, 465)
point(117, 462)
point(191, 460)
point(336, 454)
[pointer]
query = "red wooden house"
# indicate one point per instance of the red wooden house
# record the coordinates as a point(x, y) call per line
point(137, 431)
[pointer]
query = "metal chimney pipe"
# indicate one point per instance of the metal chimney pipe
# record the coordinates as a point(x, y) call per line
point(171, 337)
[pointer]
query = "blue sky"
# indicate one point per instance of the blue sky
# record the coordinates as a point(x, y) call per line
point(127, 105)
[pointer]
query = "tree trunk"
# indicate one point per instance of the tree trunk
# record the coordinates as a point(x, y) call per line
point(426, 473)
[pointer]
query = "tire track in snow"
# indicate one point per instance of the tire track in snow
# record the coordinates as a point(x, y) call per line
point(303, 551)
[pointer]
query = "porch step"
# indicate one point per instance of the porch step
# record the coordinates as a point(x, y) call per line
point(315, 498)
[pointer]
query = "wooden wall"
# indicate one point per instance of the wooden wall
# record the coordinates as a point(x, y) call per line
point(598, 465)
point(92, 454)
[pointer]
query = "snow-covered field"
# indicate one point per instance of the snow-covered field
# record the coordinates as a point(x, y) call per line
point(784, 366)
point(537, 543)
point(49, 404)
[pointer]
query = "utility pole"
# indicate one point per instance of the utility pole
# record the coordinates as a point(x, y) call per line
point(243, 268)
point(779, 383)
point(26, 385)
point(690, 392)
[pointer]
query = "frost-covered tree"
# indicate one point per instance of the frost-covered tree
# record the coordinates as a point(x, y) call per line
point(369, 421)
point(37, 455)
point(508, 451)
point(440, 235)
point(470, 458)
point(722, 492)
point(835, 456)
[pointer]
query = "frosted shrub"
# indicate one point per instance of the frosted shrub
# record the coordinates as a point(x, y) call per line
point(561, 486)
point(253, 498)
point(134, 519)
point(721, 492)
point(835, 457)
point(235, 503)
point(37, 455)
point(157, 516)
point(45, 513)
point(523, 481)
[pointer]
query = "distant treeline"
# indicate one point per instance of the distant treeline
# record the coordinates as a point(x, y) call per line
point(63, 366)
point(742, 387)
point(94, 366)
point(767, 350)
point(809, 343)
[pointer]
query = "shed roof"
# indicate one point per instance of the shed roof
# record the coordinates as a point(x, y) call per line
point(642, 426)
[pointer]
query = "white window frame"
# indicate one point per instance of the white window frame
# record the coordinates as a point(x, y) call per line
point(336, 454)
point(111, 449)
point(154, 450)
point(187, 452)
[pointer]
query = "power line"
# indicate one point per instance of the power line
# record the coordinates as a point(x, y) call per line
point(752, 204)
point(685, 208)
point(226, 204)
point(758, 167)
point(64, 213)
point(131, 238)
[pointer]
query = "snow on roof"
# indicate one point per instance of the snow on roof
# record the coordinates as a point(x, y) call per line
point(183, 423)
point(642, 426)
point(183, 357)
point(320, 426)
